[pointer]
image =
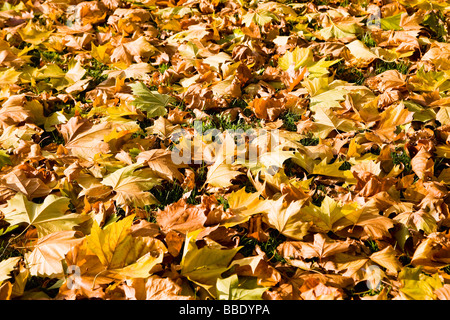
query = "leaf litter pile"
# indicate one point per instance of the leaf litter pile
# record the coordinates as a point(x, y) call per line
point(352, 205)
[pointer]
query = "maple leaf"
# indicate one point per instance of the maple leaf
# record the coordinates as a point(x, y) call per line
point(34, 34)
point(243, 205)
point(422, 164)
point(6, 266)
point(327, 122)
point(332, 170)
point(47, 217)
point(92, 95)
point(322, 247)
point(260, 18)
point(297, 58)
point(387, 259)
point(393, 116)
point(154, 288)
point(18, 181)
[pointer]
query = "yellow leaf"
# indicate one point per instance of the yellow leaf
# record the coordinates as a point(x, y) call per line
point(387, 259)
point(49, 251)
point(47, 217)
point(205, 265)
point(6, 266)
point(221, 173)
point(34, 34)
point(287, 219)
point(9, 77)
point(121, 253)
point(243, 206)
point(332, 170)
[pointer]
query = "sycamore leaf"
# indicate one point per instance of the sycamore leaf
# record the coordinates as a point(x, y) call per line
point(387, 259)
point(181, 217)
point(121, 253)
point(33, 33)
point(243, 205)
point(390, 118)
point(153, 103)
point(339, 31)
point(324, 217)
point(327, 122)
point(419, 220)
point(220, 173)
point(417, 285)
point(205, 265)
point(297, 58)
point(392, 22)
point(49, 251)
point(130, 185)
point(260, 18)
point(443, 115)
point(236, 288)
point(321, 247)
point(422, 164)
point(332, 170)
point(154, 288)
point(47, 217)
point(287, 219)
point(6, 266)
point(85, 139)
point(18, 180)
point(9, 77)
point(160, 161)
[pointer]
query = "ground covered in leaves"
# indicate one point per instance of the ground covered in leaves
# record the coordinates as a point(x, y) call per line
point(351, 204)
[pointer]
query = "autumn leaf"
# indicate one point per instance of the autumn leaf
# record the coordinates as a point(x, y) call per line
point(220, 173)
point(418, 286)
point(153, 103)
point(315, 140)
point(120, 253)
point(422, 164)
point(130, 185)
point(181, 217)
point(48, 217)
point(160, 161)
point(6, 266)
point(205, 265)
point(18, 181)
point(48, 253)
point(243, 205)
point(34, 34)
point(287, 219)
point(324, 217)
point(84, 138)
point(232, 288)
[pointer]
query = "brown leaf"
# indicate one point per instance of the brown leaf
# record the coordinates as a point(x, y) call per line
point(85, 139)
point(422, 164)
point(160, 161)
point(181, 217)
point(18, 181)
